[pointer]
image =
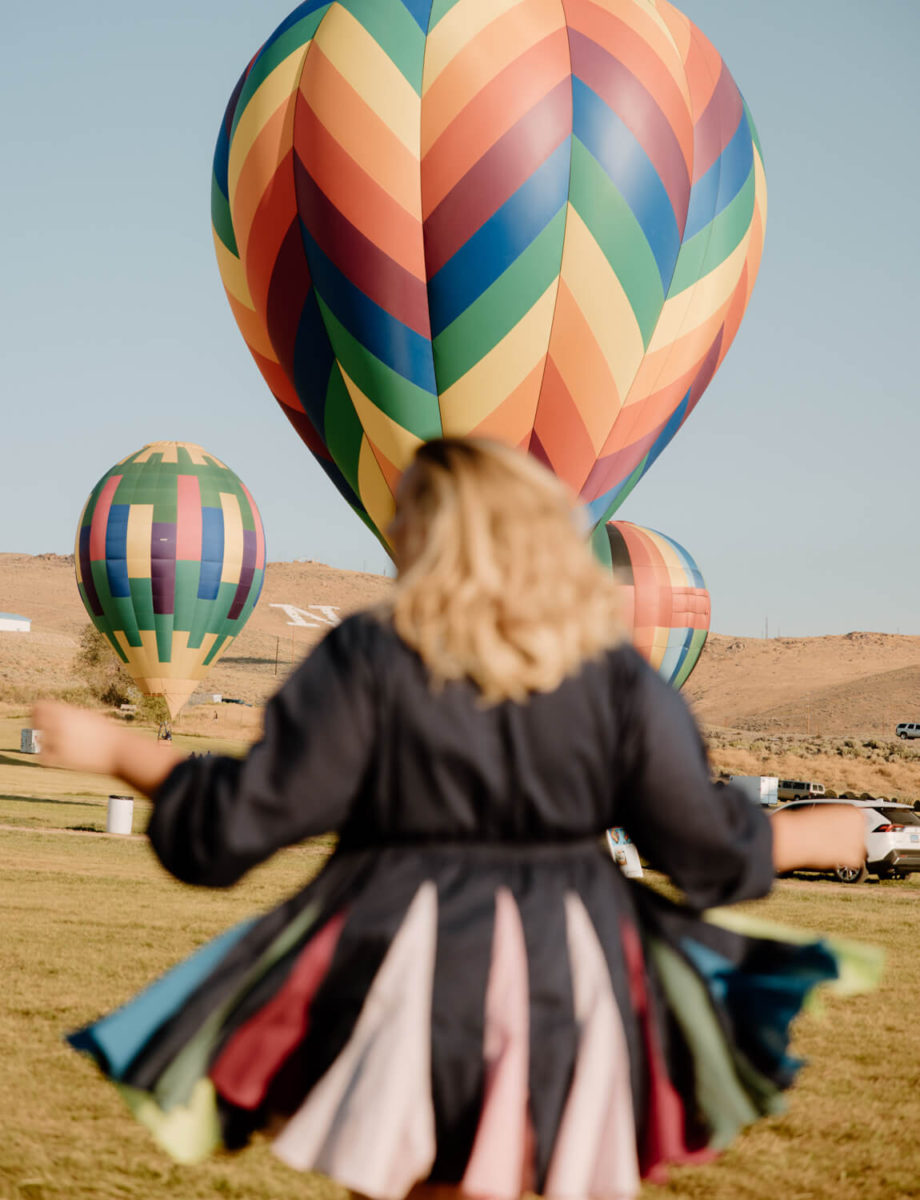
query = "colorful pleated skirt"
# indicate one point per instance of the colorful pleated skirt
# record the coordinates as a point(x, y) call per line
point(505, 1019)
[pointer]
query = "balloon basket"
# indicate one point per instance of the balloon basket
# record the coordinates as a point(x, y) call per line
point(120, 815)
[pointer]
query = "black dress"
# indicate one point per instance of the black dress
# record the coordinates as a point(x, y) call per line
point(471, 991)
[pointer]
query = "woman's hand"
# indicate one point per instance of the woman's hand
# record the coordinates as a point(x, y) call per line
point(86, 741)
point(826, 836)
point(74, 738)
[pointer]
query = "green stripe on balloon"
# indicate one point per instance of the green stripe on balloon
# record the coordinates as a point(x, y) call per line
point(188, 576)
point(619, 236)
point(439, 10)
point(291, 40)
point(691, 656)
point(163, 628)
point(395, 31)
point(221, 219)
point(501, 306)
point(403, 401)
point(140, 607)
point(710, 247)
point(342, 429)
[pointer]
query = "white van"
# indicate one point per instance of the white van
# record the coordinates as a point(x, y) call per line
point(799, 789)
point(908, 729)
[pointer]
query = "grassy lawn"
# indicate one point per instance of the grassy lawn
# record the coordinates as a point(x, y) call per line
point(89, 919)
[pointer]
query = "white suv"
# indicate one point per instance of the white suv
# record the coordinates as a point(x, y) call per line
point(892, 838)
point(908, 729)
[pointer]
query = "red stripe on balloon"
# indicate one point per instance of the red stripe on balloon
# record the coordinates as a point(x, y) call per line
point(364, 264)
point(558, 424)
point(273, 217)
point(717, 125)
point(625, 95)
point(100, 519)
point(622, 42)
point(290, 285)
point(188, 518)
point(503, 168)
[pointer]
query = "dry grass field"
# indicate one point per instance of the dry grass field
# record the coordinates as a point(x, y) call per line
point(89, 918)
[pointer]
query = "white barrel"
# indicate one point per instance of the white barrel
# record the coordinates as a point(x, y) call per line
point(120, 815)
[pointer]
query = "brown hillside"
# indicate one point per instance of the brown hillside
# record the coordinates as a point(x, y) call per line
point(823, 707)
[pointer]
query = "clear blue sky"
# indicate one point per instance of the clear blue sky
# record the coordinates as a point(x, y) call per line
point(795, 482)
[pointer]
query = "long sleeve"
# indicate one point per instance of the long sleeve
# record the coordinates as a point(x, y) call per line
point(713, 842)
point(215, 817)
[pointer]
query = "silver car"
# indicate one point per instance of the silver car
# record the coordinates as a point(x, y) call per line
point(892, 838)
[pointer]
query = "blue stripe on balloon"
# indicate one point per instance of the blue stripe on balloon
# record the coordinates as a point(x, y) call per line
point(116, 550)
point(420, 11)
point(399, 347)
point(670, 428)
point(301, 11)
point(500, 241)
point(715, 190)
point(675, 653)
point(313, 360)
point(631, 172)
point(596, 509)
point(212, 553)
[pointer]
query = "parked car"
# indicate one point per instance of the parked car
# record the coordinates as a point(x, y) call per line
point(892, 838)
point(908, 729)
point(798, 789)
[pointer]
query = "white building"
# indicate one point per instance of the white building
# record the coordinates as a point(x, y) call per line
point(13, 623)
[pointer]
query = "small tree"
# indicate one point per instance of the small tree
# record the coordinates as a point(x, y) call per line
point(102, 670)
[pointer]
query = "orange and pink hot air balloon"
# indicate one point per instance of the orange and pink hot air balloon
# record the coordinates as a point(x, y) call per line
point(665, 598)
point(531, 220)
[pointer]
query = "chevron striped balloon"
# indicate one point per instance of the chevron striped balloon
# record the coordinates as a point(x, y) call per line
point(527, 219)
point(170, 558)
point(666, 601)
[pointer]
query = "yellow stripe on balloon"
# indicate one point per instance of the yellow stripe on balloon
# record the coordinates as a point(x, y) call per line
point(373, 488)
point(200, 457)
point(470, 400)
point(356, 127)
point(277, 91)
point(396, 443)
point(232, 275)
point(474, 66)
point(371, 72)
point(167, 450)
point(257, 172)
point(138, 540)
point(456, 29)
point(582, 368)
point(699, 300)
point(233, 538)
point(649, 24)
point(174, 680)
point(599, 294)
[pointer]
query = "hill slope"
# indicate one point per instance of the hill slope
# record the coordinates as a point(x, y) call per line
point(822, 707)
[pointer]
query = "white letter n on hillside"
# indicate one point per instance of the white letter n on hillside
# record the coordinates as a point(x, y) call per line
point(315, 616)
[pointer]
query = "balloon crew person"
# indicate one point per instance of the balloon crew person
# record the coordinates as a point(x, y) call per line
point(470, 996)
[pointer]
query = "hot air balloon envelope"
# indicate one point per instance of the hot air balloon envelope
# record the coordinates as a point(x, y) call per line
point(537, 220)
point(666, 601)
point(170, 558)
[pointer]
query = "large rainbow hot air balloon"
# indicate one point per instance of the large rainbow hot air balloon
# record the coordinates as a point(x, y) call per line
point(170, 558)
point(666, 601)
point(531, 219)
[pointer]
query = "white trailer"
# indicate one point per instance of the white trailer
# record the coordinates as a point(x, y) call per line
point(762, 789)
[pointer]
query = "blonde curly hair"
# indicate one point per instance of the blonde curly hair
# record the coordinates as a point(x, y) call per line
point(495, 580)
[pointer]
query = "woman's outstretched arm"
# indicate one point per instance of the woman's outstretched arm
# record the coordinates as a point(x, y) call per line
point(87, 741)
